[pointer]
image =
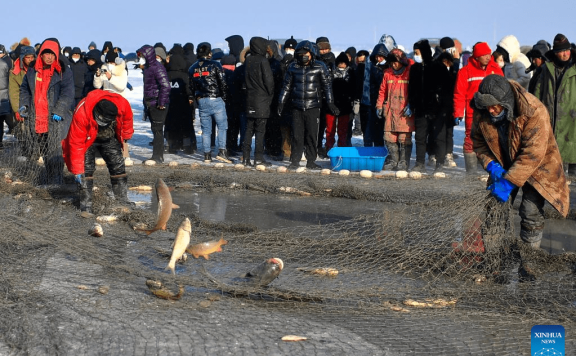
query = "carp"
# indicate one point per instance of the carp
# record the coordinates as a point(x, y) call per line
point(165, 207)
point(204, 249)
point(181, 242)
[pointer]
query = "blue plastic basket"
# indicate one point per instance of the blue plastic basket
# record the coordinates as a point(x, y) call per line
point(358, 158)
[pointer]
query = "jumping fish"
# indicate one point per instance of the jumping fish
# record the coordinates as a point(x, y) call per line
point(204, 249)
point(181, 242)
point(165, 207)
point(266, 272)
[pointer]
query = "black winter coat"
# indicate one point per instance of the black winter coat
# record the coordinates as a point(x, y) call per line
point(304, 85)
point(180, 113)
point(79, 71)
point(429, 87)
point(343, 86)
point(259, 80)
point(207, 79)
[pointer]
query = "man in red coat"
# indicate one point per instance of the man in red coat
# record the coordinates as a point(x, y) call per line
point(102, 121)
point(479, 66)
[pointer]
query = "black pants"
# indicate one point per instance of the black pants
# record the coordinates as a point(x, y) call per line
point(273, 137)
point(157, 119)
point(257, 127)
point(304, 134)
point(431, 130)
point(531, 209)
point(111, 152)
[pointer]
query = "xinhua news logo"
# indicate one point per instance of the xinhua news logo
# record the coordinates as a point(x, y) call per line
point(548, 340)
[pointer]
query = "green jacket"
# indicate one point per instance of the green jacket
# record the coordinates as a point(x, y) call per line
point(561, 105)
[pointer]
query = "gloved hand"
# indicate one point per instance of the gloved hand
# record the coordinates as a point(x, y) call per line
point(407, 111)
point(457, 121)
point(280, 108)
point(333, 109)
point(501, 189)
point(18, 117)
point(379, 113)
point(23, 111)
point(78, 178)
point(496, 171)
point(56, 117)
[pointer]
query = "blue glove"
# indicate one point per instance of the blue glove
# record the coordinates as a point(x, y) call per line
point(56, 117)
point(457, 121)
point(407, 111)
point(501, 189)
point(23, 111)
point(496, 171)
point(78, 178)
point(379, 113)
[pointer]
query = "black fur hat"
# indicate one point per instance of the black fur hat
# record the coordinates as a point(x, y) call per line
point(204, 49)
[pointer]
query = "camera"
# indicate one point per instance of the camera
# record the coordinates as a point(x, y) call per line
point(451, 50)
point(103, 70)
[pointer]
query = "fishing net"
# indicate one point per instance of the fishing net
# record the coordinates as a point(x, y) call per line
point(435, 272)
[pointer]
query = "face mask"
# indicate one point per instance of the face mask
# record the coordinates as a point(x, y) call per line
point(382, 63)
point(289, 51)
point(100, 121)
point(66, 54)
point(141, 61)
point(417, 59)
point(159, 60)
point(341, 69)
point(498, 117)
point(501, 64)
point(303, 59)
point(75, 59)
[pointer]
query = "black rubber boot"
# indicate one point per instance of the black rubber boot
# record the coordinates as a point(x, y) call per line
point(120, 188)
point(392, 160)
point(408, 153)
point(189, 145)
point(207, 157)
point(223, 156)
point(471, 163)
point(85, 192)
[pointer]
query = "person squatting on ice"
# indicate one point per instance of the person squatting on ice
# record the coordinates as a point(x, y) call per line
point(102, 122)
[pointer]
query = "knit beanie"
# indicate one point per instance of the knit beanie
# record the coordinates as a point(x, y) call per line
point(228, 59)
point(160, 52)
point(105, 112)
point(561, 43)
point(481, 49)
point(446, 42)
point(111, 57)
point(290, 43)
point(323, 43)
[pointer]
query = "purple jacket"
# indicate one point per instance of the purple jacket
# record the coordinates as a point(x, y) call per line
point(156, 83)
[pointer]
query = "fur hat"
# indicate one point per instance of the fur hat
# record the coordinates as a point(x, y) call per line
point(481, 49)
point(323, 43)
point(495, 90)
point(203, 49)
point(290, 43)
point(561, 43)
point(105, 112)
point(397, 55)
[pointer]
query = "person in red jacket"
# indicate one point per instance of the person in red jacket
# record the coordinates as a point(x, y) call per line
point(102, 121)
point(479, 66)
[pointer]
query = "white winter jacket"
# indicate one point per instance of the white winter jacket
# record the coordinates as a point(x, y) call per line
point(118, 80)
point(516, 69)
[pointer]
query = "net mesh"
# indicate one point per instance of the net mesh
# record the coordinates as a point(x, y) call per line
point(441, 254)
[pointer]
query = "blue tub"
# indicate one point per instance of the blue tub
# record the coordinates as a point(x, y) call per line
point(356, 159)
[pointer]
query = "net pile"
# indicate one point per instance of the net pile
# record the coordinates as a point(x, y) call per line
point(440, 250)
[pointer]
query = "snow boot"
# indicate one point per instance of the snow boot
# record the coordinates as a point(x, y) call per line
point(120, 188)
point(471, 163)
point(392, 159)
point(85, 192)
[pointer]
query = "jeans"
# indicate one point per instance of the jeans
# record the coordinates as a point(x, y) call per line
point(213, 109)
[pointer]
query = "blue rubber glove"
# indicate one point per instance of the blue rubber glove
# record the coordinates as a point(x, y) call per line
point(56, 117)
point(457, 121)
point(78, 178)
point(23, 111)
point(496, 171)
point(501, 189)
point(407, 111)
